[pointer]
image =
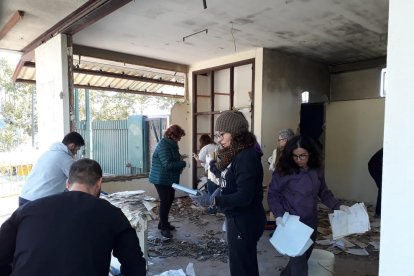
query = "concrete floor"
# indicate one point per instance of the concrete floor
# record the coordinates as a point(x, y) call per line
point(194, 226)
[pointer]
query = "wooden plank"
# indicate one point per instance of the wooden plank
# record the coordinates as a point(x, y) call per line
point(14, 19)
point(128, 58)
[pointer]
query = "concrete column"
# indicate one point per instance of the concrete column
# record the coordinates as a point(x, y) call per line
point(52, 90)
point(397, 243)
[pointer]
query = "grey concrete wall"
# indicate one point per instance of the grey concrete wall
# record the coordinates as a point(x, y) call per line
point(285, 77)
point(356, 85)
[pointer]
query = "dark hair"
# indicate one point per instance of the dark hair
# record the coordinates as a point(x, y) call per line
point(287, 165)
point(174, 132)
point(85, 171)
point(204, 140)
point(244, 138)
point(73, 137)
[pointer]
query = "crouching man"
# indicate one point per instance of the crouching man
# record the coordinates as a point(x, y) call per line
point(71, 233)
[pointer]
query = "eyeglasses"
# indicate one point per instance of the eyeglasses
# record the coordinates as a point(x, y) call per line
point(219, 135)
point(281, 139)
point(300, 157)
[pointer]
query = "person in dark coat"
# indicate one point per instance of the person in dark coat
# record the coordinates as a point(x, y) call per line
point(296, 185)
point(166, 167)
point(375, 170)
point(70, 233)
point(240, 195)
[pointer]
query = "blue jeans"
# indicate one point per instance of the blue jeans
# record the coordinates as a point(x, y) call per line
point(211, 187)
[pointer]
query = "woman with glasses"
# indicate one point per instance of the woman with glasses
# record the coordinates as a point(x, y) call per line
point(296, 185)
point(240, 171)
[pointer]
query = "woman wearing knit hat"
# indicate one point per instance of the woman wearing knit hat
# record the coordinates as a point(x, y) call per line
point(240, 195)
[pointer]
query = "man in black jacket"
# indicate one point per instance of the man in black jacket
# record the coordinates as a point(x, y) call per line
point(375, 170)
point(72, 233)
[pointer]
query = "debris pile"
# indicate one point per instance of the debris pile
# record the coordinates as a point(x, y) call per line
point(358, 244)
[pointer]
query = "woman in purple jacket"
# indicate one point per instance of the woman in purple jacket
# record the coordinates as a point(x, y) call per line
point(296, 185)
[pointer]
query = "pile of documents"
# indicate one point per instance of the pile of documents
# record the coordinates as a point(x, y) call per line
point(354, 222)
point(292, 238)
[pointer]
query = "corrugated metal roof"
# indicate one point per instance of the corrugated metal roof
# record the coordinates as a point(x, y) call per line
point(114, 76)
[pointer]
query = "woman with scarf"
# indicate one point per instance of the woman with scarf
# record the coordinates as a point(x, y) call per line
point(240, 195)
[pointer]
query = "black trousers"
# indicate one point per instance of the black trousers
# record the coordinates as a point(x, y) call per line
point(243, 233)
point(166, 194)
point(298, 266)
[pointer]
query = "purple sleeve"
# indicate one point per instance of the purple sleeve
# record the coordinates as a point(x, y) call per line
point(325, 194)
point(275, 196)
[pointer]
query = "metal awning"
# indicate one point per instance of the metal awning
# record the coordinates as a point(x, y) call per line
point(97, 74)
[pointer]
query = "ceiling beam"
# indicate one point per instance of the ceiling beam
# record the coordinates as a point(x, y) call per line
point(126, 77)
point(84, 16)
point(110, 89)
point(360, 65)
point(16, 17)
point(115, 75)
point(128, 58)
point(23, 60)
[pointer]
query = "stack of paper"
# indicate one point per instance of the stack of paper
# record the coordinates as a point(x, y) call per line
point(355, 222)
point(292, 239)
point(185, 189)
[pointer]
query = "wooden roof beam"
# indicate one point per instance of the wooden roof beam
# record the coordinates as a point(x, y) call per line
point(14, 19)
point(128, 58)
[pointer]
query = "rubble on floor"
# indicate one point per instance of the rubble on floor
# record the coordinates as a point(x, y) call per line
point(211, 245)
point(366, 244)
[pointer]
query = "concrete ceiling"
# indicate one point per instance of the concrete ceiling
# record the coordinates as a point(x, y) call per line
point(39, 16)
point(330, 31)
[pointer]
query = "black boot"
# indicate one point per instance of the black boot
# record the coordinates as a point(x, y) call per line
point(169, 226)
point(166, 233)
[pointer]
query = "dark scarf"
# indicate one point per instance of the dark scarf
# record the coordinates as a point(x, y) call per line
point(226, 155)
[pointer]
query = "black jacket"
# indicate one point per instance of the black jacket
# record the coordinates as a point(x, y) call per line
point(71, 233)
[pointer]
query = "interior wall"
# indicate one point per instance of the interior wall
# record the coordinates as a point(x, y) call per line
point(397, 188)
point(356, 85)
point(285, 77)
point(354, 132)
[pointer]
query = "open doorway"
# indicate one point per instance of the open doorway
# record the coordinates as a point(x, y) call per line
point(312, 122)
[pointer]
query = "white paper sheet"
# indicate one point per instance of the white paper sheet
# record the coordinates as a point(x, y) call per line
point(185, 189)
point(292, 239)
point(355, 222)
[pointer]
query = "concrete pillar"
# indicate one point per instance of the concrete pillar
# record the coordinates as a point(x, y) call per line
point(52, 90)
point(397, 243)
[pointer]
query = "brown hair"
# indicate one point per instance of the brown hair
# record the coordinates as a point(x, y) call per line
point(174, 132)
point(205, 139)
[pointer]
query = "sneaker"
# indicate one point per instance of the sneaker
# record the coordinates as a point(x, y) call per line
point(166, 233)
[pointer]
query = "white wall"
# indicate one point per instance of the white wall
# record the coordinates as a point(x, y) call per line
point(354, 132)
point(52, 90)
point(397, 243)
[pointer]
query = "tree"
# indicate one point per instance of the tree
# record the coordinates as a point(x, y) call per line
point(15, 109)
point(118, 106)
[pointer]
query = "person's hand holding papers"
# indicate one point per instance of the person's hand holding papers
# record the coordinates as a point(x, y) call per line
point(345, 208)
point(205, 200)
point(279, 221)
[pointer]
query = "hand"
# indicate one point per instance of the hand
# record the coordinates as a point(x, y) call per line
point(279, 221)
point(195, 156)
point(203, 200)
point(345, 209)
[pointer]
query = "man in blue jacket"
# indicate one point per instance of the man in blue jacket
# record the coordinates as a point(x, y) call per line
point(49, 174)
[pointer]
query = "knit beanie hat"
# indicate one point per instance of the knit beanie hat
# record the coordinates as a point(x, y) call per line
point(232, 122)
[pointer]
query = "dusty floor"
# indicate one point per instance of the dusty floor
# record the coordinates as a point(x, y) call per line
point(199, 240)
